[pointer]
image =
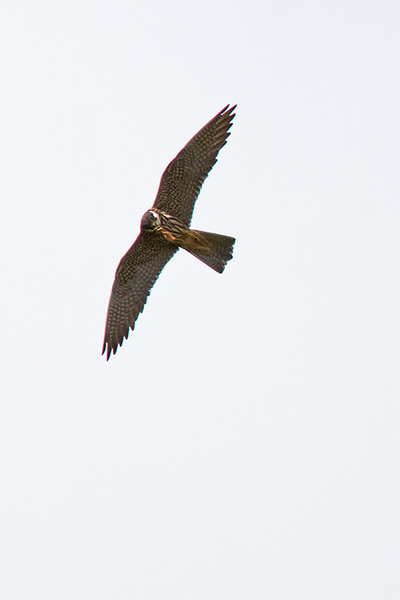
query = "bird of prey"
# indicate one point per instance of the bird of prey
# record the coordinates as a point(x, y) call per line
point(165, 228)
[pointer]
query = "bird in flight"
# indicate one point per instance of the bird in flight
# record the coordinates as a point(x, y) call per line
point(165, 228)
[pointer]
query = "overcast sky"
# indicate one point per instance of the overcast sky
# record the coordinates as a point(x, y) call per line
point(244, 442)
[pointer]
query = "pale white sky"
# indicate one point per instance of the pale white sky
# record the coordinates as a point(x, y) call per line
point(244, 443)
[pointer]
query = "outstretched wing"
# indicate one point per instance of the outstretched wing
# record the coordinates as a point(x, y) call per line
point(135, 276)
point(182, 180)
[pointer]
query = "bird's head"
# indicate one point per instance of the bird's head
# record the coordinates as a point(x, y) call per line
point(150, 221)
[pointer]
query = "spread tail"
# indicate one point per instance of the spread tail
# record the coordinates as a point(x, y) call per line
point(216, 252)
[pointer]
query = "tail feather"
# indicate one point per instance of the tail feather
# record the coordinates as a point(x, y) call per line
point(220, 251)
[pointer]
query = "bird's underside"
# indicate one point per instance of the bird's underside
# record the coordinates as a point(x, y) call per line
point(165, 229)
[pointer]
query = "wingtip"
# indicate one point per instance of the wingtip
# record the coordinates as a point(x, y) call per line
point(112, 346)
point(106, 347)
point(229, 110)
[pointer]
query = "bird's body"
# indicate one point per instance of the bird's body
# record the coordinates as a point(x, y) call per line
point(165, 228)
point(174, 230)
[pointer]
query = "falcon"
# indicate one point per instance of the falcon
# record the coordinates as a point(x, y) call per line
point(166, 227)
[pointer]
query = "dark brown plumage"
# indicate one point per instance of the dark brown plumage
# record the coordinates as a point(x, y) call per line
point(165, 228)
